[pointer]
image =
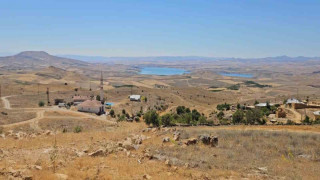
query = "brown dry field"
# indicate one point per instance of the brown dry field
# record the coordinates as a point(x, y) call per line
point(253, 152)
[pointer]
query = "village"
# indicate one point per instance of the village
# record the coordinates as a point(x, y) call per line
point(290, 111)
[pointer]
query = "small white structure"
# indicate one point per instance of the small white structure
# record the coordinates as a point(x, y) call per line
point(263, 105)
point(61, 105)
point(91, 106)
point(293, 101)
point(135, 98)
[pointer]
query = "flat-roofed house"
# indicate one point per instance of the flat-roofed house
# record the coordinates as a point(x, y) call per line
point(91, 106)
point(135, 97)
point(295, 103)
point(316, 115)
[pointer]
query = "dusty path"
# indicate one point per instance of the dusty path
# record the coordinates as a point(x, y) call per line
point(6, 102)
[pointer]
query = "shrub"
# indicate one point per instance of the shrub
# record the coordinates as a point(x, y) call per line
point(306, 120)
point(237, 117)
point(224, 106)
point(112, 114)
point(220, 115)
point(122, 117)
point(137, 119)
point(41, 104)
point(290, 122)
point(77, 129)
point(98, 98)
point(123, 111)
point(151, 117)
point(166, 120)
point(64, 130)
point(253, 116)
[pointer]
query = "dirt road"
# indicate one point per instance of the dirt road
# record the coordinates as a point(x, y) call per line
point(6, 102)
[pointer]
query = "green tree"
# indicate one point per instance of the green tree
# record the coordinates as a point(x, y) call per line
point(237, 117)
point(151, 117)
point(123, 111)
point(98, 98)
point(181, 110)
point(41, 104)
point(253, 116)
point(307, 120)
point(112, 114)
point(195, 115)
point(77, 129)
point(220, 115)
point(167, 120)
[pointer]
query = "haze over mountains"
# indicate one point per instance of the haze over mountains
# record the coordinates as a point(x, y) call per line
point(101, 59)
point(41, 59)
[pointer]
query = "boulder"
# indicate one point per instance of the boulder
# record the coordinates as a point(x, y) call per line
point(191, 141)
point(205, 139)
point(99, 152)
point(214, 141)
point(146, 176)
point(176, 136)
point(166, 139)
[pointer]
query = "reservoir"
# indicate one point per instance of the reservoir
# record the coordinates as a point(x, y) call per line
point(162, 71)
point(237, 75)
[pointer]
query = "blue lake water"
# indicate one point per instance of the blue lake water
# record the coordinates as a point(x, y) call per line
point(237, 75)
point(162, 71)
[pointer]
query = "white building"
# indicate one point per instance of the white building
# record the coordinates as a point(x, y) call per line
point(293, 101)
point(91, 106)
point(263, 105)
point(135, 98)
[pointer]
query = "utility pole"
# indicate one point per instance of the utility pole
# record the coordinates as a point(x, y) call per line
point(48, 96)
point(0, 91)
point(38, 89)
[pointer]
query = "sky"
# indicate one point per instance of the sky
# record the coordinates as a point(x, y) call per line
point(214, 28)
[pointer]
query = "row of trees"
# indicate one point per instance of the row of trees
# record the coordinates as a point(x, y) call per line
point(183, 115)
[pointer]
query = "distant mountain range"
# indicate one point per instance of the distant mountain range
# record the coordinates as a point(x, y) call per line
point(37, 59)
point(101, 59)
point(41, 59)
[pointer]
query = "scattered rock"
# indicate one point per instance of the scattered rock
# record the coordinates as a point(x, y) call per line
point(99, 152)
point(37, 167)
point(61, 176)
point(146, 176)
point(191, 141)
point(176, 136)
point(166, 139)
point(167, 162)
point(48, 132)
point(205, 139)
point(263, 169)
point(214, 141)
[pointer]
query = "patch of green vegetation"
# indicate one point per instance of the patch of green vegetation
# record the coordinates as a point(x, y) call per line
point(77, 129)
point(213, 87)
point(234, 87)
point(224, 106)
point(216, 90)
point(125, 85)
point(182, 115)
point(255, 84)
point(22, 82)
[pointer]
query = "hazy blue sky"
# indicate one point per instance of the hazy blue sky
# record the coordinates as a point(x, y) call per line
point(224, 28)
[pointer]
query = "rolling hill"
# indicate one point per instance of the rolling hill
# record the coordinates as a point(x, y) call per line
point(37, 59)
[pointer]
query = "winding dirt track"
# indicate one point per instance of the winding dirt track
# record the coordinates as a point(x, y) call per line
point(40, 115)
point(6, 102)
